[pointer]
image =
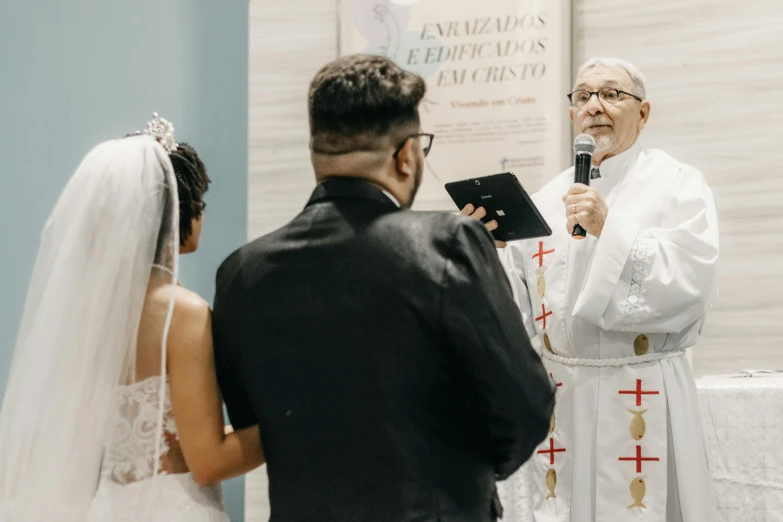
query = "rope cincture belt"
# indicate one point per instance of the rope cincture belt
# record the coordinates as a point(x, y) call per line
point(622, 361)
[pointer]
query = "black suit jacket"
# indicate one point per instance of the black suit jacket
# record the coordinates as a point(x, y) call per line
point(383, 357)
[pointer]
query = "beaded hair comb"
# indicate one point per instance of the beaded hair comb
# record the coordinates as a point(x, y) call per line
point(163, 131)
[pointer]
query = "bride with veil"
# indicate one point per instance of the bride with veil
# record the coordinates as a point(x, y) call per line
point(112, 410)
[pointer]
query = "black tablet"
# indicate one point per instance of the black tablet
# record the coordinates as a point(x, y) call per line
point(506, 201)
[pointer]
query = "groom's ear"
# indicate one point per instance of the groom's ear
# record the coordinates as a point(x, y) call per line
point(405, 161)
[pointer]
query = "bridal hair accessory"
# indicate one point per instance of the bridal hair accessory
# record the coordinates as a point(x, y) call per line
point(162, 130)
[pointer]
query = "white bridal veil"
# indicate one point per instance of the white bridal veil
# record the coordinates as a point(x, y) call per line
point(116, 219)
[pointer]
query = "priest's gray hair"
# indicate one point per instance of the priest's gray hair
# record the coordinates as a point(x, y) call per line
point(635, 74)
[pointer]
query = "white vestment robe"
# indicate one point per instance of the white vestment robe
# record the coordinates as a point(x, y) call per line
point(614, 315)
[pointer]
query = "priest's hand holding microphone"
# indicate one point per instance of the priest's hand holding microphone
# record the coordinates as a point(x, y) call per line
point(586, 210)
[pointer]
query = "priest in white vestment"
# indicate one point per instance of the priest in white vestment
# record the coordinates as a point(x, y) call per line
point(614, 313)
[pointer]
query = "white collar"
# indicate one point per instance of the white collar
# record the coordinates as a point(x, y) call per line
point(389, 195)
point(617, 165)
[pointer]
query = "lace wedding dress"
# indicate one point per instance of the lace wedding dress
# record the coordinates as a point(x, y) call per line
point(126, 491)
point(75, 447)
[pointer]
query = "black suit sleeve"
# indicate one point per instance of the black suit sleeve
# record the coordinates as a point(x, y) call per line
point(238, 405)
point(513, 395)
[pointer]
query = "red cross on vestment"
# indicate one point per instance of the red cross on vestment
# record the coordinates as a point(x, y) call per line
point(541, 253)
point(557, 384)
point(639, 459)
point(638, 392)
point(544, 315)
point(551, 451)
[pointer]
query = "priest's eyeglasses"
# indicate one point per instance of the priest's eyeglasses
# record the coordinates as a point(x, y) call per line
point(426, 142)
point(606, 95)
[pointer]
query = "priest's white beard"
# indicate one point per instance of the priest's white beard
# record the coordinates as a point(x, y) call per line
point(604, 143)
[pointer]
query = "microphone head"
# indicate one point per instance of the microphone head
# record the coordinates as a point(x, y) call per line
point(584, 144)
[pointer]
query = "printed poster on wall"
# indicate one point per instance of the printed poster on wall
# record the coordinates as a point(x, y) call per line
point(497, 74)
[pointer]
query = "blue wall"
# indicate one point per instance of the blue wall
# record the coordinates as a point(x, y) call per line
point(76, 72)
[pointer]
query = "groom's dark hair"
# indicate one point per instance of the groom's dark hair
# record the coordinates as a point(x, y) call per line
point(357, 99)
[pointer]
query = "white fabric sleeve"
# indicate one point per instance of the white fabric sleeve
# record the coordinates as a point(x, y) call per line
point(658, 279)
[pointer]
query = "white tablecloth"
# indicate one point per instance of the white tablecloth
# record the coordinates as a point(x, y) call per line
point(742, 416)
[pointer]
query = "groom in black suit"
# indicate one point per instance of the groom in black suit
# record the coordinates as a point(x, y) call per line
point(379, 349)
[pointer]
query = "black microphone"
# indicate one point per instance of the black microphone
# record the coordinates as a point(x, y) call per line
point(584, 145)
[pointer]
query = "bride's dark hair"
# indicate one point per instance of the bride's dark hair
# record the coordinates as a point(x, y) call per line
point(192, 183)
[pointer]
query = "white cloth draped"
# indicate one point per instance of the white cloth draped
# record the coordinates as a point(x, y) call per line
point(628, 435)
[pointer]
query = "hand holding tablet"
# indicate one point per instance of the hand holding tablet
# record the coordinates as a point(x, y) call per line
point(505, 202)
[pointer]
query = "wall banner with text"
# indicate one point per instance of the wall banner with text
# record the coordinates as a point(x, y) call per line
point(497, 74)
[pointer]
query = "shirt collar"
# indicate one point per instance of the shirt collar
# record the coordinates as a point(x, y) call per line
point(389, 195)
point(617, 165)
